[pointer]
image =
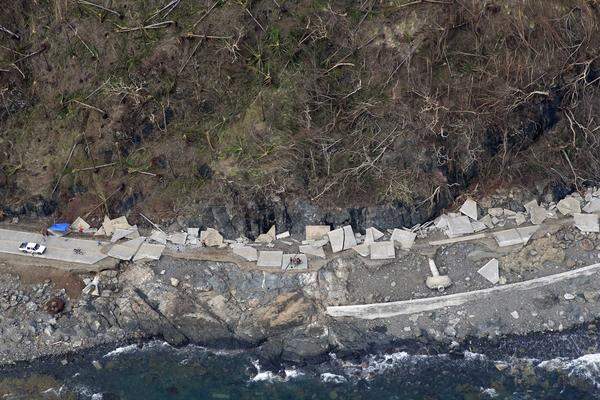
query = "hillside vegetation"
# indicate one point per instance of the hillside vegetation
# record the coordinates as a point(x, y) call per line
point(161, 106)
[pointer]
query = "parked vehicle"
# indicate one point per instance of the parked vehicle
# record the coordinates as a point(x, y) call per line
point(32, 248)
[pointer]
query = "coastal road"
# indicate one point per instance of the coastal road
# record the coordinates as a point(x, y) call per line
point(494, 294)
point(64, 249)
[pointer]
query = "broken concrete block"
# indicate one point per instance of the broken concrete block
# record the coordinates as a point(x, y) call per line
point(174, 282)
point(520, 219)
point(270, 259)
point(246, 252)
point(527, 232)
point(469, 208)
point(283, 235)
point(382, 250)
point(509, 237)
point(441, 222)
point(458, 226)
point(593, 206)
point(404, 238)
point(310, 250)
point(267, 237)
point(134, 233)
point(79, 225)
point(530, 205)
point(177, 238)
point(479, 226)
point(149, 251)
point(316, 232)
point(211, 238)
point(569, 206)
point(159, 236)
point(372, 235)
point(537, 214)
point(586, 222)
point(362, 249)
point(125, 251)
point(121, 234)
point(294, 261)
point(496, 212)
point(490, 271)
point(193, 232)
point(487, 220)
point(341, 239)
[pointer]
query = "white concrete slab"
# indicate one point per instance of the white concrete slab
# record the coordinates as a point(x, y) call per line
point(121, 234)
point(193, 232)
point(316, 251)
point(148, 251)
point(246, 252)
point(458, 226)
point(593, 206)
point(211, 238)
point(490, 271)
point(342, 239)
point(469, 208)
point(404, 238)
point(294, 261)
point(177, 238)
point(569, 206)
point(283, 235)
point(79, 225)
point(125, 251)
point(586, 222)
point(316, 232)
point(57, 248)
point(270, 259)
point(362, 249)
point(372, 235)
point(158, 236)
point(383, 250)
point(508, 237)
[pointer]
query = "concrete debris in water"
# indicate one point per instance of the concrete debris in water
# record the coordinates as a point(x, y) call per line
point(270, 259)
point(316, 232)
point(404, 238)
point(469, 208)
point(382, 250)
point(490, 271)
point(586, 222)
point(342, 239)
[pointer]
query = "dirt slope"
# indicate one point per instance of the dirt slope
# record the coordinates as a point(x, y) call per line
point(164, 106)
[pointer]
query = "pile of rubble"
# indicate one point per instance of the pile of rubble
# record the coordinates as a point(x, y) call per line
point(469, 223)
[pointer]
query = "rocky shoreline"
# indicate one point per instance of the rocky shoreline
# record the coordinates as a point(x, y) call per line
point(280, 316)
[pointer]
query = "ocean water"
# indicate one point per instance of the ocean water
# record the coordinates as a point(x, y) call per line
point(158, 372)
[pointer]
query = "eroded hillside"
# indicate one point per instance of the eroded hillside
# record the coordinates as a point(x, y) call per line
point(163, 107)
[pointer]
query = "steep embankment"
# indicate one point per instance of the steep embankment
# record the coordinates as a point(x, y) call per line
point(276, 110)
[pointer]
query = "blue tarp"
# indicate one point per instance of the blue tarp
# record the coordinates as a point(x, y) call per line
point(62, 227)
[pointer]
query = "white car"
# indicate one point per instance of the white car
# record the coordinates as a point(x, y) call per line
point(32, 248)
